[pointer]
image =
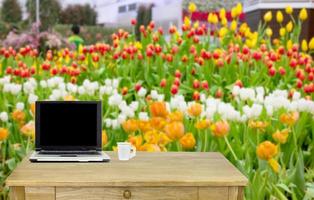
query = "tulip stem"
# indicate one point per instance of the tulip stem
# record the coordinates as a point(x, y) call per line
point(230, 148)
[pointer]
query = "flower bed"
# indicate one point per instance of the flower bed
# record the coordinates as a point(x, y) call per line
point(215, 87)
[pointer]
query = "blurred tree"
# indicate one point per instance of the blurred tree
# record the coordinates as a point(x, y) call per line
point(49, 12)
point(11, 11)
point(79, 14)
point(211, 5)
point(144, 16)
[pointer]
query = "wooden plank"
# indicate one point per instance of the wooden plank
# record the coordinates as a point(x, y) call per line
point(146, 169)
point(135, 193)
point(240, 193)
point(39, 193)
point(213, 193)
point(233, 193)
point(17, 193)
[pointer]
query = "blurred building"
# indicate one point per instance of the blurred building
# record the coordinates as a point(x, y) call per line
point(255, 10)
point(120, 12)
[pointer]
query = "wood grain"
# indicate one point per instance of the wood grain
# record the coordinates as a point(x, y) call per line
point(17, 193)
point(213, 193)
point(40, 193)
point(117, 193)
point(145, 170)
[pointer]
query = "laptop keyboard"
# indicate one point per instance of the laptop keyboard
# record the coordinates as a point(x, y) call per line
point(70, 153)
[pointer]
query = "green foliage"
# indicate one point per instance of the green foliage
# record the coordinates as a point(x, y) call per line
point(11, 11)
point(49, 12)
point(79, 14)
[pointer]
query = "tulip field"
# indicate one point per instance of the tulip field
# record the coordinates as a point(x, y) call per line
point(215, 87)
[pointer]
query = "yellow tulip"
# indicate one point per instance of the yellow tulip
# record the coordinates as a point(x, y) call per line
point(303, 14)
point(192, 7)
point(222, 32)
point(289, 26)
point(224, 21)
point(233, 25)
point(234, 12)
point(215, 19)
point(279, 16)
point(268, 16)
point(304, 46)
point(289, 44)
point(311, 44)
point(289, 10)
point(187, 21)
point(196, 25)
point(282, 31)
point(274, 165)
point(239, 9)
point(269, 32)
point(222, 13)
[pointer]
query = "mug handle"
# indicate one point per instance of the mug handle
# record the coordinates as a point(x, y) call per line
point(133, 151)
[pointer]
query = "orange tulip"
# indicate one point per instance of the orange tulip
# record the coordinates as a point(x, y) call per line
point(266, 150)
point(289, 118)
point(4, 133)
point(104, 137)
point(157, 123)
point(18, 116)
point(158, 109)
point(28, 129)
point(136, 141)
point(195, 110)
point(130, 125)
point(163, 139)
point(150, 148)
point(175, 116)
point(144, 125)
point(281, 136)
point(202, 124)
point(220, 128)
point(33, 108)
point(188, 141)
point(151, 137)
point(258, 125)
point(175, 130)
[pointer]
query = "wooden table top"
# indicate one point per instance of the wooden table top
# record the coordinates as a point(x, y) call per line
point(146, 169)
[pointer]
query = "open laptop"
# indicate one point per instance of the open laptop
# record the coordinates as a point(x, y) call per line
point(68, 131)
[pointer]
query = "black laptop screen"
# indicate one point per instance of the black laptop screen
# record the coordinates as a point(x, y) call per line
point(67, 125)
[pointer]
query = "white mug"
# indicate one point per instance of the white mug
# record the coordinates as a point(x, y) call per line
point(126, 151)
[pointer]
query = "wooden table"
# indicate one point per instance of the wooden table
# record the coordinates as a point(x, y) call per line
point(151, 176)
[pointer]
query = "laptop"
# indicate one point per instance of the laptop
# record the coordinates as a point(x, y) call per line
point(68, 131)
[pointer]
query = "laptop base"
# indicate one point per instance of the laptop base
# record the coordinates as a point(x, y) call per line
point(36, 156)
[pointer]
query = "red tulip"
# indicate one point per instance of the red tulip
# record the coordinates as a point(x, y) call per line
point(239, 83)
point(272, 71)
point(9, 70)
point(137, 87)
point(163, 83)
point(177, 74)
point(196, 96)
point(196, 84)
point(174, 89)
point(205, 85)
point(299, 83)
point(133, 22)
point(282, 71)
